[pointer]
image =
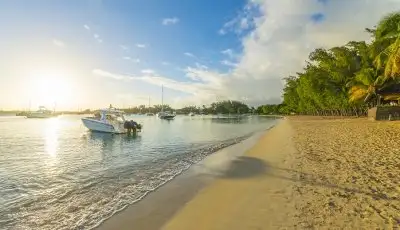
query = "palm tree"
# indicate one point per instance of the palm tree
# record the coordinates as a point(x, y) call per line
point(365, 85)
point(387, 45)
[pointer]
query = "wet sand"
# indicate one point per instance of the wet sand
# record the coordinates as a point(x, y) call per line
point(306, 173)
point(152, 212)
point(250, 193)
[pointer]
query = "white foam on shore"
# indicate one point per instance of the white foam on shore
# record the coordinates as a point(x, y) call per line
point(209, 164)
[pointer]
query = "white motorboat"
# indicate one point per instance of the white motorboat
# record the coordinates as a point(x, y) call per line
point(41, 113)
point(110, 121)
point(191, 114)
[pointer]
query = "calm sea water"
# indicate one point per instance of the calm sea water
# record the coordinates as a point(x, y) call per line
point(54, 174)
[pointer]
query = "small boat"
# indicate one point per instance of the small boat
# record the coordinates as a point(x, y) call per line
point(149, 114)
point(191, 114)
point(41, 113)
point(111, 120)
point(164, 115)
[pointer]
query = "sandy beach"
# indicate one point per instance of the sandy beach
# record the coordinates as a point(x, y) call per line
point(305, 173)
point(350, 173)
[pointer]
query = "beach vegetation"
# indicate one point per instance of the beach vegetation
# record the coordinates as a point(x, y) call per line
point(345, 79)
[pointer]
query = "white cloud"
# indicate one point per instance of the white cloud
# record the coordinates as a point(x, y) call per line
point(280, 37)
point(97, 38)
point(124, 48)
point(141, 45)
point(95, 35)
point(244, 20)
point(200, 66)
point(165, 63)
point(135, 60)
point(221, 31)
point(58, 43)
point(228, 52)
point(228, 63)
point(189, 54)
point(170, 21)
point(106, 74)
point(283, 36)
point(194, 88)
point(148, 71)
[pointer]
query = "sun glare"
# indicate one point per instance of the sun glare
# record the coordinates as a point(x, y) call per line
point(51, 88)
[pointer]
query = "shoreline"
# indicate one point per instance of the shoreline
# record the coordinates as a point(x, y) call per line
point(154, 209)
point(305, 172)
point(249, 193)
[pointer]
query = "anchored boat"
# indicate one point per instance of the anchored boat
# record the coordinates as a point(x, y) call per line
point(111, 121)
point(167, 115)
point(41, 113)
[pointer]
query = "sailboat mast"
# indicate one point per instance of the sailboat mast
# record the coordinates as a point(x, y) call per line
point(149, 104)
point(162, 98)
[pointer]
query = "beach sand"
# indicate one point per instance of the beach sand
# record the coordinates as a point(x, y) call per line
point(250, 193)
point(350, 173)
point(306, 173)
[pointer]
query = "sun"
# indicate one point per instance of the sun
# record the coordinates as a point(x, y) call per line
point(50, 89)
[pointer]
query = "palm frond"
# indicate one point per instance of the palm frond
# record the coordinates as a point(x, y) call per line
point(388, 27)
point(357, 93)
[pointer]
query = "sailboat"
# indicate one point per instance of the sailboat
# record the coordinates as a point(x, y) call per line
point(149, 114)
point(164, 115)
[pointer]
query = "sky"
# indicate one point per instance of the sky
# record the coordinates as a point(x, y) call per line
point(80, 54)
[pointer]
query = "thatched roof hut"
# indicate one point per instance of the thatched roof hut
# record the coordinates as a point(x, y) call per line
point(390, 93)
point(389, 109)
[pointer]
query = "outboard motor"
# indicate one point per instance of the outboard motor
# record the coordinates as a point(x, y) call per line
point(132, 126)
point(127, 125)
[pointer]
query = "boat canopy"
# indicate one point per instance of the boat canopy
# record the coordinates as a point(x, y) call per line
point(111, 113)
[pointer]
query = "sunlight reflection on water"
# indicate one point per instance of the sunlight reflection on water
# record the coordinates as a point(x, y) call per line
point(54, 174)
point(51, 136)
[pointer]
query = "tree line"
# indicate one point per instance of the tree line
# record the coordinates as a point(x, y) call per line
point(344, 80)
point(221, 107)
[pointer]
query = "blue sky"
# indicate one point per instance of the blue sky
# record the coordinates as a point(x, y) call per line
point(90, 53)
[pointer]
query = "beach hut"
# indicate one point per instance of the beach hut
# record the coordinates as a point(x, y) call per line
point(388, 104)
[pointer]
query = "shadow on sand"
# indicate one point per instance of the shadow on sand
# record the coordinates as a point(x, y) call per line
point(246, 167)
point(243, 167)
point(318, 181)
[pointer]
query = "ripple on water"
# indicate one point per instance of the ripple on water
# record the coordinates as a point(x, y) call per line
point(88, 179)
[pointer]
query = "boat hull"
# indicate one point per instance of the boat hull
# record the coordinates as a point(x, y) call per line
point(98, 126)
point(167, 117)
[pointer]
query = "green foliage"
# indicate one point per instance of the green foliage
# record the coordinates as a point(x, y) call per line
point(224, 107)
point(142, 109)
point(347, 76)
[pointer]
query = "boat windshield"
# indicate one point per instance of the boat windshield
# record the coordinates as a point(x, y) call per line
point(111, 115)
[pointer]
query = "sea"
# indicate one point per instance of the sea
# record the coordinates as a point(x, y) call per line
point(55, 174)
